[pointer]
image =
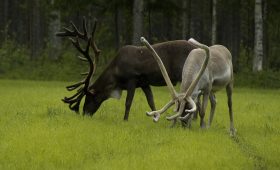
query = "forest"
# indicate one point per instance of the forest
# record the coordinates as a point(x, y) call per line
point(29, 48)
point(90, 129)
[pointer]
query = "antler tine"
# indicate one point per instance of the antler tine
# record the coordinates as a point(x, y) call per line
point(179, 113)
point(75, 32)
point(76, 103)
point(85, 73)
point(70, 101)
point(87, 49)
point(75, 107)
point(165, 75)
point(85, 29)
point(203, 67)
point(189, 111)
point(76, 43)
point(82, 58)
point(74, 86)
point(72, 97)
point(67, 32)
point(93, 44)
point(94, 28)
point(78, 33)
point(85, 52)
point(92, 65)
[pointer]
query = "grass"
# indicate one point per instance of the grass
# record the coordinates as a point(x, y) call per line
point(38, 131)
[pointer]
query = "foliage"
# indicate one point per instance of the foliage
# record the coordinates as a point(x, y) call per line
point(16, 64)
point(265, 79)
point(12, 57)
point(235, 30)
point(38, 131)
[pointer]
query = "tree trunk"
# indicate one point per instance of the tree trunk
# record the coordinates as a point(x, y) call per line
point(6, 19)
point(137, 21)
point(189, 17)
point(195, 22)
point(214, 22)
point(149, 25)
point(35, 30)
point(258, 50)
point(236, 34)
point(167, 19)
point(184, 19)
point(1, 21)
point(117, 26)
point(54, 26)
point(265, 35)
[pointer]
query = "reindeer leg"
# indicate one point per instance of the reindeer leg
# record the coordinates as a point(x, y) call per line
point(203, 109)
point(129, 98)
point(198, 105)
point(149, 96)
point(229, 95)
point(212, 98)
point(173, 123)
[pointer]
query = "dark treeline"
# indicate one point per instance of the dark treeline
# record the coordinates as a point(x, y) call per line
point(31, 25)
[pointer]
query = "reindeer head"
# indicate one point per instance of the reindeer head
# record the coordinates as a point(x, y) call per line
point(92, 102)
point(97, 95)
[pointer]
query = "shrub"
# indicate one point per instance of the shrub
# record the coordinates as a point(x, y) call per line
point(16, 64)
point(264, 79)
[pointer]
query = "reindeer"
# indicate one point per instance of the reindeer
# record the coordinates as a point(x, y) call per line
point(205, 71)
point(133, 67)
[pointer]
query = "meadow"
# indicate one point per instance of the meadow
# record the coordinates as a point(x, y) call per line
point(38, 131)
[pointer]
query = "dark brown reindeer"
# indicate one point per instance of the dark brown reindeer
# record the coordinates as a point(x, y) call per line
point(131, 68)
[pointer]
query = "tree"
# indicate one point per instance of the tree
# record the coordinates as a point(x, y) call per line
point(35, 29)
point(258, 48)
point(214, 22)
point(117, 26)
point(137, 21)
point(4, 19)
point(195, 20)
point(54, 26)
point(184, 19)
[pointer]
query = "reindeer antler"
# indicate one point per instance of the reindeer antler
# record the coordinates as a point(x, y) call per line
point(75, 100)
point(162, 68)
point(173, 92)
point(193, 84)
point(179, 99)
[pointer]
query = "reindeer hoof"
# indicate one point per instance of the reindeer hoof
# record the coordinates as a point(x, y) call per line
point(232, 132)
point(186, 125)
point(203, 125)
point(156, 118)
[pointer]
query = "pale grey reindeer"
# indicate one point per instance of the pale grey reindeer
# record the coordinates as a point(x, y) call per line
point(205, 71)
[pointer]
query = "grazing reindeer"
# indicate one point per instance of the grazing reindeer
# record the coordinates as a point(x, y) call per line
point(205, 71)
point(133, 67)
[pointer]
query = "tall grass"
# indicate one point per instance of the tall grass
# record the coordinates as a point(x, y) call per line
point(38, 131)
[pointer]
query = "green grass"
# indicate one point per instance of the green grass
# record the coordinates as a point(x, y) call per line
point(38, 131)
